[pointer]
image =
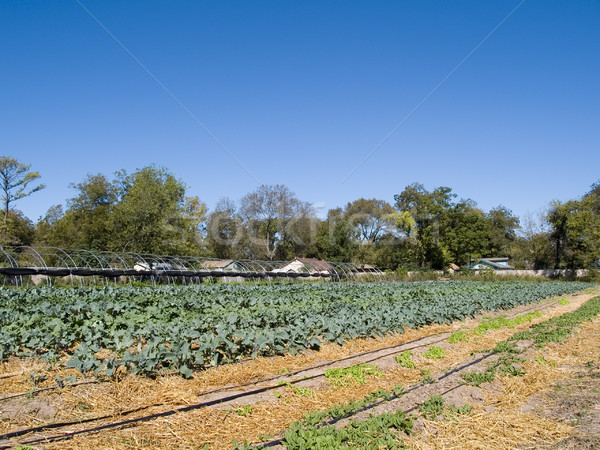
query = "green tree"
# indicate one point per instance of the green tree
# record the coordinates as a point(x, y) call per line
point(16, 180)
point(575, 232)
point(465, 233)
point(90, 213)
point(504, 227)
point(335, 238)
point(268, 214)
point(533, 247)
point(148, 216)
point(20, 230)
point(371, 218)
point(225, 233)
point(51, 231)
point(427, 210)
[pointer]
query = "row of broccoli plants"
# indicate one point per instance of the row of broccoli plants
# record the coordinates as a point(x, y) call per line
point(146, 330)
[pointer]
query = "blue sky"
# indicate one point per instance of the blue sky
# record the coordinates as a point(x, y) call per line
point(301, 92)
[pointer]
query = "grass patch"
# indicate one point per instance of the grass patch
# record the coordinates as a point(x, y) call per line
point(353, 374)
point(453, 413)
point(458, 336)
point(405, 359)
point(559, 328)
point(434, 353)
point(243, 411)
point(501, 322)
point(506, 347)
point(298, 390)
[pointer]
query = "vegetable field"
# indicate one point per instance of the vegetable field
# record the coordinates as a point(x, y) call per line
point(149, 330)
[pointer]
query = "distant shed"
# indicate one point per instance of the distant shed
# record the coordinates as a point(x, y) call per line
point(306, 265)
point(491, 263)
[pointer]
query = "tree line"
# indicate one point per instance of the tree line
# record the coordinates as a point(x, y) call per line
point(149, 211)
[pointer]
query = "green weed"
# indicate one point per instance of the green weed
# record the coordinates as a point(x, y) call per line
point(435, 353)
point(348, 375)
point(458, 336)
point(476, 378)
point(432, 407)
point(405, 359)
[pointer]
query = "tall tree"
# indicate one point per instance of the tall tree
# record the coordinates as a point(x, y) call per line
point(504, 228)
point(533, 247)
point(372, 218)
point(336, 238)
point(427, 210)
point(147, 216)
point(466, 233)
point(266, 213)
point(225, 233)
point(20, 229)
point(16, 180)
point(89, 213)
point(575, 233)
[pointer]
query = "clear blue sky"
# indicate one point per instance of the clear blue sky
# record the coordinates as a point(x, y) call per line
point(301, 92)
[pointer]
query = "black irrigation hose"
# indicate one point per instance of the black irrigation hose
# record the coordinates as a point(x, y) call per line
point(113, 273)
point(51, 388)
point(139, 419)
point(14, 434)
point(330, 363)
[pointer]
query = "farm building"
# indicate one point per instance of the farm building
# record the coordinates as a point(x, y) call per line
point(362, 270)
point(225, 265)
point(306, 265)
point(491, 263)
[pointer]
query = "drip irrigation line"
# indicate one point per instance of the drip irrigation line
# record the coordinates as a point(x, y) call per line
point(124, 423)
point(14, 434)
point(10, 375)
point(51, 388)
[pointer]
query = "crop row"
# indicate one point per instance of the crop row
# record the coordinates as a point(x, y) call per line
point(187, 328)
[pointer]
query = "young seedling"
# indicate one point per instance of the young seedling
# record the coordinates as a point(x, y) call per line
point(454, 413)
point(478, 378)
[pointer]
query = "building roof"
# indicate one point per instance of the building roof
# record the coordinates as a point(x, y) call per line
point(317, 264)
point(496, 263)
point(217, 264)
point(309, 264)
point(365, 268)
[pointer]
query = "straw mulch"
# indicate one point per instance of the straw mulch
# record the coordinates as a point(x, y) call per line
point(218, 427)
point(506, 422)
